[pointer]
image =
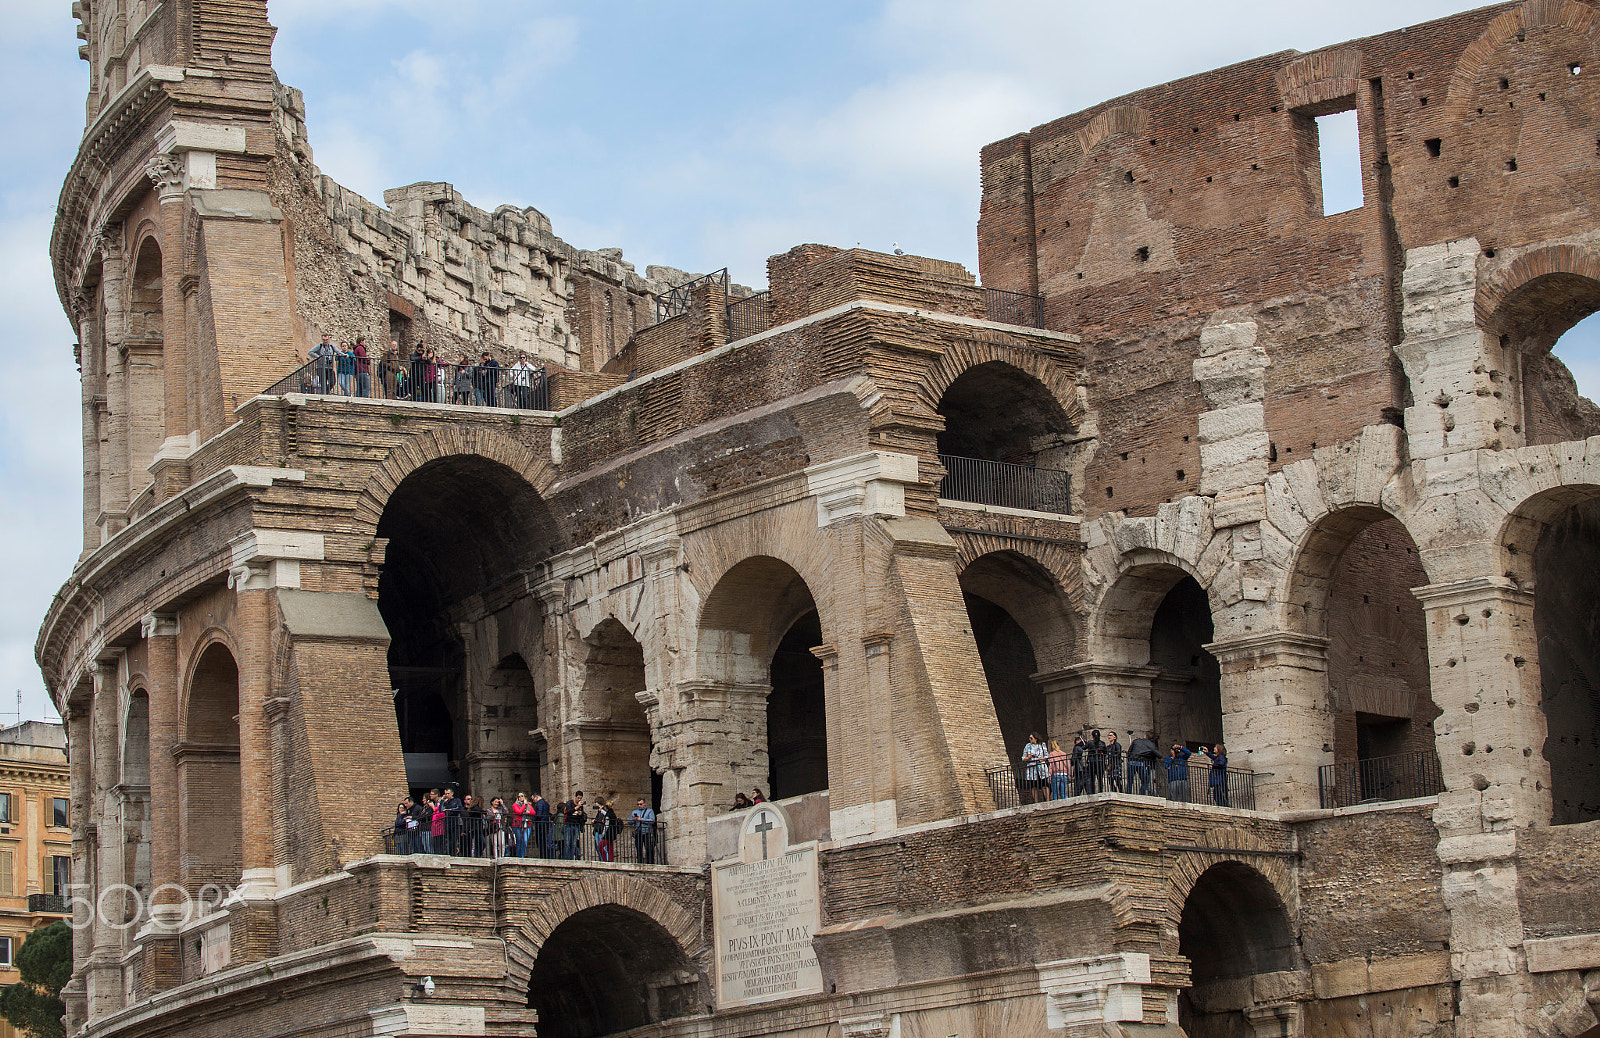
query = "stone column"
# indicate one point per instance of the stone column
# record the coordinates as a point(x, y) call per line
point(103, 975)
point(92, 390)
point(255, 610)
point(1484, 667)
point(712, 740)
point(1276, 717)
point(159, 937)
point(1108, 696)
point(166, 172)
point(80, 760)
point(114, 457)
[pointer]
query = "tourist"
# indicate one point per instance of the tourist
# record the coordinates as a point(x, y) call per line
point(1080, 767)
point(363, 367)
point(1142, 756)
point(574, 816)
point(423, 813)
point(346, 362)
point(390, 377)
point(403, 825)
point(440, 843)
point(605, 832)
point(1177, 763)
point(1035, 773)
point(740, 802)
point(1095, 750)
point(643, 823)
point(488, 379)
point(432, 391)
point(1113, 763)
point(450, 807)
point(500, 837)
point(1059, 765)
point(543, 833)
point(521, 823)
point(325, 358)
point(416, 377)
point(462, 390)
point(520, 376)
point(1219, 775)
point(756, 797)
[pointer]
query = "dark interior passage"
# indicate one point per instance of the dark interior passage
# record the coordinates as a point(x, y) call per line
point(1233, 925)
point(608, 969)
point(1566, 618)
point(1008, 667)
point(1189, 691)
point(797, 732)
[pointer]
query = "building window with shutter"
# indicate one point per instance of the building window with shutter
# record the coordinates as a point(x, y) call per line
point(59, 804)
point(5, 808)
point(60, 874)
point(6, 857)
point(5, 951)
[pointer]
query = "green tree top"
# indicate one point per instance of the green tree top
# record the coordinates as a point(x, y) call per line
point(45, 961)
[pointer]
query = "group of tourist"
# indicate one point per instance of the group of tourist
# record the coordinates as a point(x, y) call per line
point(347, 369)
point(1096, 765)
point(464, 825)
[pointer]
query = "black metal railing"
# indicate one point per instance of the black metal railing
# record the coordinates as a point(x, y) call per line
point(1399, 777)
point(520, 386)
point(54, 904)
point(748, 316)
point(476, 836)
point(1007, 485)
point(1196, 782)
point(1014, 307)
point(677, 300)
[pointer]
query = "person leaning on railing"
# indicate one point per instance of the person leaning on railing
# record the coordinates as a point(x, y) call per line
point(1035, 771)
point(643, 822)
point(1060, 771)
point(1177, 764)
point(1219, 775)
point(1142, 756)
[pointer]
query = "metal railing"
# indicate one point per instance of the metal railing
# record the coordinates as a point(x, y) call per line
point(522, 387)
point(1400, 777)
point(1196, 782)
point(1014, 307)
point(1007, 485)
point(476, 836)
point(54, 904)
point(748, 316)
point(677, 300)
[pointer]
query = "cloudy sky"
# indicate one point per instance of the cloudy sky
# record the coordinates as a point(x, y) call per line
point(700, 135)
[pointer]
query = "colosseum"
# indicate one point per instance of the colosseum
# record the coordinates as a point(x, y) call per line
point(1197, 456)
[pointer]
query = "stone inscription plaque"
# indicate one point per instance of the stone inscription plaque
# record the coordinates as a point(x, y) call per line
point(767, 909)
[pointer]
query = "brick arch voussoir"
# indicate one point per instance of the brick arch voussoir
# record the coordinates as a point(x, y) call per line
point(1554, 259)
point(434, 444)
point(1127, 119)
point(963, 356)
point(614, 889)
point(1480, 53)
point(216, 634)
point(1052, 558)
point(1187, 869)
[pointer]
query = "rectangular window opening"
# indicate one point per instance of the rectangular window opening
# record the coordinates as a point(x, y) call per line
point(5, 808)
point(60, 874)
point(59, 812)
point(1339, 152)
point(5, 951)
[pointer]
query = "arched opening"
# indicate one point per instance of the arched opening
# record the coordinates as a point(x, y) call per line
point(616, 734)
point(457, 528)
point(1352, 585)
point(1003, 441)
point(757, 630)
point(146, 374)
point(1234, 926)
point(1024, 627)
point(1565, 528)
point(1540, 325)
point(608, 969)
point(208, 773)
point(510, 753)
point(1188, 689)
point(797, 740)
point(134, 792)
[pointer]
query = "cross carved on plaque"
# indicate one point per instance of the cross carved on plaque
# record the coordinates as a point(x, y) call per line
point(764, 826)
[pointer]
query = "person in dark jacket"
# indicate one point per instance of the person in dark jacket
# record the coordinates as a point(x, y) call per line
point(422, 840)
point(605, 832)
point(1113, 763)
point(1142, 756)
point(488, 379)
point(403, 826)
point(1080, 766)
point(1095, 752)
point(454, 828)
point(1177, 763)
point(576, 816)
point(1219, 775)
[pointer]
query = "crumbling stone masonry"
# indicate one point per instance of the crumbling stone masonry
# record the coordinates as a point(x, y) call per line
point(1312, 485)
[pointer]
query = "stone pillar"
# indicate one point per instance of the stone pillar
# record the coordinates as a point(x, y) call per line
point(1277, 720)
point(114, 456)
point(159, 936)
point(91, 384)
point(253, 928)
point(103, 973)
point(1278, 1020)
point(167, 175)
point(1108, 696)
point(79, 761)
point(1484, 666)
point(712, 740)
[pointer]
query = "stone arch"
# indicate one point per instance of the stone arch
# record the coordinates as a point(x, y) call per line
point(1058, 560)
point(1502, 301)
point(614, 739)
point(623, 890)
point(436, 444)
point(1480, 53)
point(1126, 119)
point(1127, 604)
point(1320, 77)
point(144, 341)
point(1187, 868)
point(1551, 545)
point(209, 780)
point(134, 787)
point(963, 356)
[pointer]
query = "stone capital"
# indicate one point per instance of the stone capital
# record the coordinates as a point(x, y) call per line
point(166, 173)
point(1270, 648)
point(158, 625)
point(1473, 591)
point(1081, 676)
